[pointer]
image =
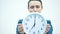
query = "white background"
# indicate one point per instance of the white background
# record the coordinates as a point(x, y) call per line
point(13, 10)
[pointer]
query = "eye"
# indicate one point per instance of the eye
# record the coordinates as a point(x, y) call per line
point(32, 7)
point(37, 6)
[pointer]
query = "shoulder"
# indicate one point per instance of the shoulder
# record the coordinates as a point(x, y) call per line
point(49, 22)
point(20, 21)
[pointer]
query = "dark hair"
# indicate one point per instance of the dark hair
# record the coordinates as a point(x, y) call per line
point(34, 0)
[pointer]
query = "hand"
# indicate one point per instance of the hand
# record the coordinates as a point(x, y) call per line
point(47, 28)
point(20, 29)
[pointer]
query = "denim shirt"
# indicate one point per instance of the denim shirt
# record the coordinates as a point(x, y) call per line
point(48, 22)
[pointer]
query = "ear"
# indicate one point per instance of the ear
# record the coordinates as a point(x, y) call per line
point(41, 7)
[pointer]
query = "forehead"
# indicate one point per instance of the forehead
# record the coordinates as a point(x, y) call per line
point(34, 3)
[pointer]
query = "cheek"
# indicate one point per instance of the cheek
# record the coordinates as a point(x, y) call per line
point(39, 10)
point(31, 10)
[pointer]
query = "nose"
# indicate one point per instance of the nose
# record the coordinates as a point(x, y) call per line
point(35, 9)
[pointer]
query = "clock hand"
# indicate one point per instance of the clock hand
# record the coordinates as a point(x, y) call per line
point(33, 26)
point(34, 22)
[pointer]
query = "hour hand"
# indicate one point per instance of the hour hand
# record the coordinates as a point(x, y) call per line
point(33, 26)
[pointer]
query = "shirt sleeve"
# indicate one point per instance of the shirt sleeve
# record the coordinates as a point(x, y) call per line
point(20, 21)
point(51, 28)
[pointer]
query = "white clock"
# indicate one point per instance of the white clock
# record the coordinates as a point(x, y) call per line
point(34, 24)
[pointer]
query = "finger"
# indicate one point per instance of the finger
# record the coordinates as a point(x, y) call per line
point(47, 27)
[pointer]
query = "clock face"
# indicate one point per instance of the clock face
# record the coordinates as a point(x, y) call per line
point(34, 24)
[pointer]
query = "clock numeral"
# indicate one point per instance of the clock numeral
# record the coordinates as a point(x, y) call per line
point(29, 30)
point(26, 28)
point(27, 19)
point(38, 32)
point(25, 23)
point(38, 17)
point(42, 20)
point(42, 24)
point(33, 32)
point(41, 28)
point(30, 16)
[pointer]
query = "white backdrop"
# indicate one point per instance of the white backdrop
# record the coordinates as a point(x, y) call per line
point(13, 10)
